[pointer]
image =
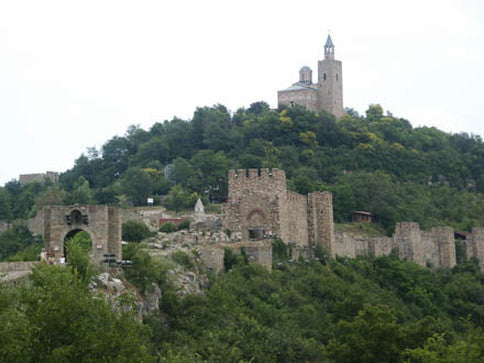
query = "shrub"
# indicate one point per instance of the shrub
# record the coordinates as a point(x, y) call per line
point(182, 258)
point(135, 231)
point(168, 227)
point(184, 225)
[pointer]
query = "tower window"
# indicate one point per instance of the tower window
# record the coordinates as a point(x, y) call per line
point(324, 77)
point(337, 76)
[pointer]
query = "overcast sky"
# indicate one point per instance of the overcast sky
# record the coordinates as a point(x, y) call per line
point(73, 74)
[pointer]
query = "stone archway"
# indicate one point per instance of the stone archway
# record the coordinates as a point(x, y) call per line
point(71, 234)
point(102, 223)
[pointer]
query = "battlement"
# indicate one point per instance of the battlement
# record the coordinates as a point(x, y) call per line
point(293, 197)
point(253, 174)
point(262, 181)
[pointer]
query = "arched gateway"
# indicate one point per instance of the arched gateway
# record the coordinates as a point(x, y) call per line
point(103, 224)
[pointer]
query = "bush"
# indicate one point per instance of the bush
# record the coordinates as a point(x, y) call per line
point(135, 231)
point(184, 225)
point(168, 227)
point(182, 258)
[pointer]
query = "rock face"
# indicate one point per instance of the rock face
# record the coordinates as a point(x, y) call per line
point(124, 297)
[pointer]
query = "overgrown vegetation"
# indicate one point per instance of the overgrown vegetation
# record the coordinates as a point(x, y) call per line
point(135, 231)
point(378, 163)
point(168, 227)
point(19, 244)
point(379, 310)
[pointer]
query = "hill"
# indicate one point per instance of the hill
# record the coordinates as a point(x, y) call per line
point(375, 162)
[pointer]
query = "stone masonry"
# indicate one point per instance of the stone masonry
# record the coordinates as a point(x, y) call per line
point(326, 94)
point(260, 207)
point(103, 224)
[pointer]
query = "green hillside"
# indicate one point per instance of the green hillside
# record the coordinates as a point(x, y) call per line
point(361, 310)
point(374, 162)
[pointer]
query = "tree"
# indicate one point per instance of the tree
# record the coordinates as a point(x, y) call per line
point(137, 185)
point(135, 231)
point(81, 194)
point(56, 319)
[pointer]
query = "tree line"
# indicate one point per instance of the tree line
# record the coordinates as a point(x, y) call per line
point(374, 162)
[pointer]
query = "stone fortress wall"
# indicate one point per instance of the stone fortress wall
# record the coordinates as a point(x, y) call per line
point(258, 199)
point(436, 247)
point(53, 176)
point(259, 206)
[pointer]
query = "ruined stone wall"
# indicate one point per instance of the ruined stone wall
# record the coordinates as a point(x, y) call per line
point(114, 231)
point(445, 242)
point(407, 239)
point(39, 177)
point(257, 199)
point(475, 246)
point(381, 246)
point(353, 245)
point(36, 224)
point(295, 229)
point(17, 266)
point(304, 97)
point(421, 247)
point(260, 252)
point(320, 220)
point(101, 222)
point(212, 257)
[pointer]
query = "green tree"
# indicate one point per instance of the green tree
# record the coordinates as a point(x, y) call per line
point(135, 231)
point(177, 199)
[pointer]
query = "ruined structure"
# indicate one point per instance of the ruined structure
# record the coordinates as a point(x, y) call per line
point(260, 207)
point(53, 176)
point(326, 94)
point(59, 223)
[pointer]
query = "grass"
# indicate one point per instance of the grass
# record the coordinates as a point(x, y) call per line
point(361, 229)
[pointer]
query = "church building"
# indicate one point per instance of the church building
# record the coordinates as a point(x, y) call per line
point(326, 94)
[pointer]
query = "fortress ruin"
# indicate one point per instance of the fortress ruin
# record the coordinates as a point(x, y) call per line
point(260, 207)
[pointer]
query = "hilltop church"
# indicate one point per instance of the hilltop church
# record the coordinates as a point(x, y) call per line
point(327, 94)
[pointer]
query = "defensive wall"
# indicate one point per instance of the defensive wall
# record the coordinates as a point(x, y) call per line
point(259, 206)
point(435, 247)
point(53, 176)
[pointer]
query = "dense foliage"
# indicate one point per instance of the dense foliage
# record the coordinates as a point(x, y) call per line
point(343, 310)
point(19, 244)
point(57, 320)
point(381, 310)
point(374, 162)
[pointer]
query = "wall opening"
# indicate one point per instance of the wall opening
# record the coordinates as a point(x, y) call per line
point(256, 233)
point(81, 239)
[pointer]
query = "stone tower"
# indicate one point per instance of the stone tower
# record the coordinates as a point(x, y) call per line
point(326, 94)
point(330, 81)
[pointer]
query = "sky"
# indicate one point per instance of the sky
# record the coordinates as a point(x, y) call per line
point(74, 74)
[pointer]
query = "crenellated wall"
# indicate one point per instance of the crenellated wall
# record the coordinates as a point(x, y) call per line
point(258, 199)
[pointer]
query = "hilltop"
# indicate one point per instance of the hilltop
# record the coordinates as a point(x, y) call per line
point(375, 162)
